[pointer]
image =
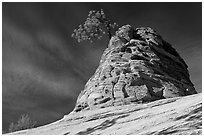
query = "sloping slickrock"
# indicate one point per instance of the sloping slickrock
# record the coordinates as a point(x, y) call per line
point(138, 66)
point(174, 116)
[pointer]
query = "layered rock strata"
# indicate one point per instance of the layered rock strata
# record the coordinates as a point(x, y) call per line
point(137, 67)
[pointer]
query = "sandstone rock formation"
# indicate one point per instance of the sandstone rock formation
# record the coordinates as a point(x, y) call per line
point(140, 87)
point(138, 66)
point(172, 116)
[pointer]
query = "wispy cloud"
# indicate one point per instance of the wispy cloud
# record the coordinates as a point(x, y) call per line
point(44, 69)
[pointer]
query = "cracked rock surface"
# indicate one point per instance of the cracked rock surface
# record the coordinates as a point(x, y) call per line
point(138, 66)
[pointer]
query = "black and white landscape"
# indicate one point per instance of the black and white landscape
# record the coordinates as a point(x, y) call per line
point(151, 67)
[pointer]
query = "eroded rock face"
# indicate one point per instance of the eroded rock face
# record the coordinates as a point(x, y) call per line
point(138, 66)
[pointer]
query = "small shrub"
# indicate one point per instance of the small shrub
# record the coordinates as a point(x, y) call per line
point(96, 25)
point(24, 122)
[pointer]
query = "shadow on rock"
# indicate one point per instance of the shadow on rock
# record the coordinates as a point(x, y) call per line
point(104, 125)
point(193, 115)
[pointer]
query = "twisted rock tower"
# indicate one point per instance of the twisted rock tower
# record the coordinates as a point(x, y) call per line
point(137, 67)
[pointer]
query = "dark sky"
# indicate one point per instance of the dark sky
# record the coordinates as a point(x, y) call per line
point(44, 70)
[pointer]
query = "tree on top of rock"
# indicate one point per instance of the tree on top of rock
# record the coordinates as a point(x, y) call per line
point(95, 26)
